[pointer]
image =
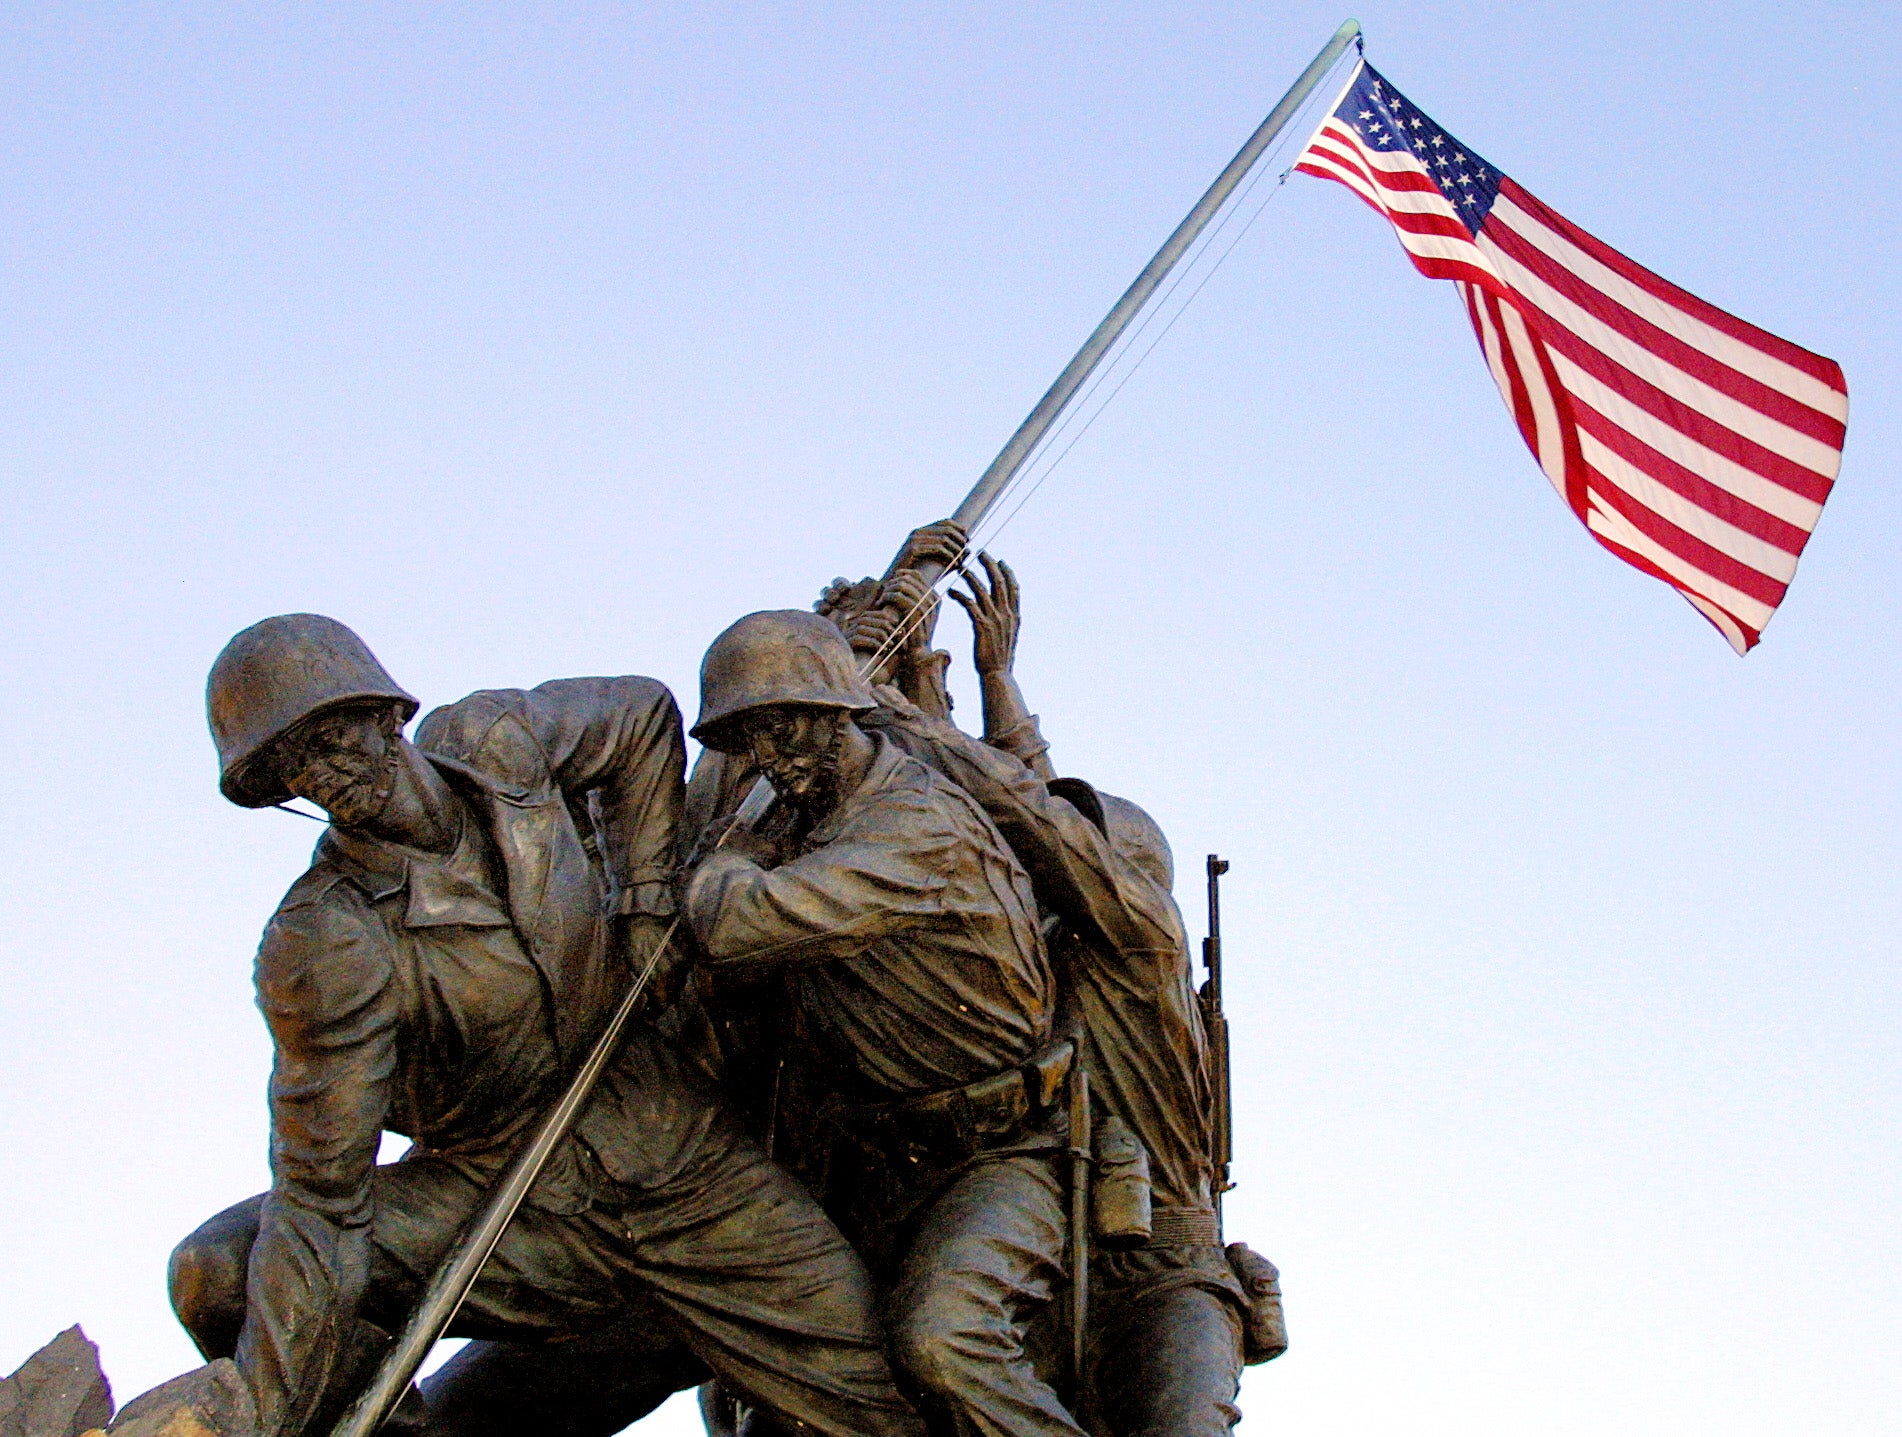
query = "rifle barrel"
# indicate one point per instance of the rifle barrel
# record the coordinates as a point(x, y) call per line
point(1215, 1028)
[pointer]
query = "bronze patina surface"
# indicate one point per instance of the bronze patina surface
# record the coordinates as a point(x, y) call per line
point(923, 1047)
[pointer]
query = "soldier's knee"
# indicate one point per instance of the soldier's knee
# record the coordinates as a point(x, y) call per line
point(206, 1277)
point(937, 1341)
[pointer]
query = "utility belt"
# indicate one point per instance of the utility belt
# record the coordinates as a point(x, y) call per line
point(954, 1125)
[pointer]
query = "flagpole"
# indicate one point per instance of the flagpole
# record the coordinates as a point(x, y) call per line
point(451, 1283)
point(1057, 398)
point(1011, 458)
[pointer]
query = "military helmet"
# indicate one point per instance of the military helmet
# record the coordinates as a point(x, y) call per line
point(780, 656)
point(272, 677)
point(1130, 830)
point(1140, 839)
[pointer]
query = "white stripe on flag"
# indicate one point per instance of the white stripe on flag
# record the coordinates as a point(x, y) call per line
point(1545, 413)
point(1726, 474)
point(1726, 625)
point(1746, 548)
point(1744, 358)
point(1713, 404)
point(1615, 527)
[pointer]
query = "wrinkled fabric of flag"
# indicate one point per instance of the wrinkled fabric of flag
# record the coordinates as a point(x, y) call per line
point(1694, 446)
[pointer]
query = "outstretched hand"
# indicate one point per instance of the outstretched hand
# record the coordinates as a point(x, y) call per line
point(994, 615)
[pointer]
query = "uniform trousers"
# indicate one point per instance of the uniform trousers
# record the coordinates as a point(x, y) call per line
point(731, 1262)
point(1165, 1347)
point(985, 1257)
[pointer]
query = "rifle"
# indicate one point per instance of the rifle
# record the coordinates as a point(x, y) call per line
point(1215, 1026)
point(458, 1274)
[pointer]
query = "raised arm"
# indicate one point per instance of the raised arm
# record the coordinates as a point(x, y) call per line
point(1073, 866)
point(324, 985)
point(995, 619)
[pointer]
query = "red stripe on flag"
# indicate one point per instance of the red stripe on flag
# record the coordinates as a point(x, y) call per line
point(1687, 546)
point(1814, 365)
point(1737, 512)
point(1772, 403)
point(1638, 561)
point(1717, 437)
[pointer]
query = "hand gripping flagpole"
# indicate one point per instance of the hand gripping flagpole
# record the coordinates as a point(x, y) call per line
point(457, 1275)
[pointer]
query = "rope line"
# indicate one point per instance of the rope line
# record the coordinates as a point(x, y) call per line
point(1022, 480)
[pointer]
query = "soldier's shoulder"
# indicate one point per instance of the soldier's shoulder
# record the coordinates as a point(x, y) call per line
point(923, 800)
point(324, 950)
point(321, 887)
point(912, 781)
point(618, 691)
point(458, 729)
point(501, 731)
point(489, 731)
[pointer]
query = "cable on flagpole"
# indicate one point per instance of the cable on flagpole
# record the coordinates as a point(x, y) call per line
point(915, 615)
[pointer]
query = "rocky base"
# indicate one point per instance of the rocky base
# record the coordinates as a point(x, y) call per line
point(60, 1391)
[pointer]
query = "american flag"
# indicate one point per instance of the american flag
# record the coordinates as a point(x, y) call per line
point(1694, 446)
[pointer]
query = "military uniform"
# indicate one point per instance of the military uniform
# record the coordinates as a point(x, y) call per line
point(1165, 1320)
point(909, 937)
point(446, 997)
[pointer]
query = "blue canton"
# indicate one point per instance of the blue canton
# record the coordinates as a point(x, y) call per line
point(1386, 120)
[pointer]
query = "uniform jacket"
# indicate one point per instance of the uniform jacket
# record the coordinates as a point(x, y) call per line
point(908, 929)
point(1128, 968)
point(449, 997)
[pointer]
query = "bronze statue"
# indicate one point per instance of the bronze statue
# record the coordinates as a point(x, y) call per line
point(920, 982)
point(1168, 1313)
point(467, 919)
point(1173, 1314)
point(939, 930)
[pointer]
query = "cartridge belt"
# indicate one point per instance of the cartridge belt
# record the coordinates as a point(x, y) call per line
point(955, 1124)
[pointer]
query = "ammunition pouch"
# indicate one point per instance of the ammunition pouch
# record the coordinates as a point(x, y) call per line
point(1120, 1198)
point(1186, 1227)
point(954, 1125)
point(1265, 1329)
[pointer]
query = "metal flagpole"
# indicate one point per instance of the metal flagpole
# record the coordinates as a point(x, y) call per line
point(458, 1274)
point(1011, 458)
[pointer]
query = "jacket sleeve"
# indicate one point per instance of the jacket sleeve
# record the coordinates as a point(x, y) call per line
point(325, 984)
point(1073, 866)
point(615, 740)
point(885, 874)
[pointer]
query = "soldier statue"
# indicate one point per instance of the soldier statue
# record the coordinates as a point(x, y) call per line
point(465, 927)
point(1168, 1317)
point(908, 934)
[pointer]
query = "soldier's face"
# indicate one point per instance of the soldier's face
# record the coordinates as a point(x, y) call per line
point(341, 762)
point(796, 746)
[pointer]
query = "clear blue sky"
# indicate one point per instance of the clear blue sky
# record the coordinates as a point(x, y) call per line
point(545, 340)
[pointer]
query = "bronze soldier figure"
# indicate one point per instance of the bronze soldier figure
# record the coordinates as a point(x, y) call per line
point(1167, 1319)
point(462, 932)
point(909, 935)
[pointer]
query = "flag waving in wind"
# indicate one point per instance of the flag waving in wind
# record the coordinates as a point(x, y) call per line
point(1694, 446)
